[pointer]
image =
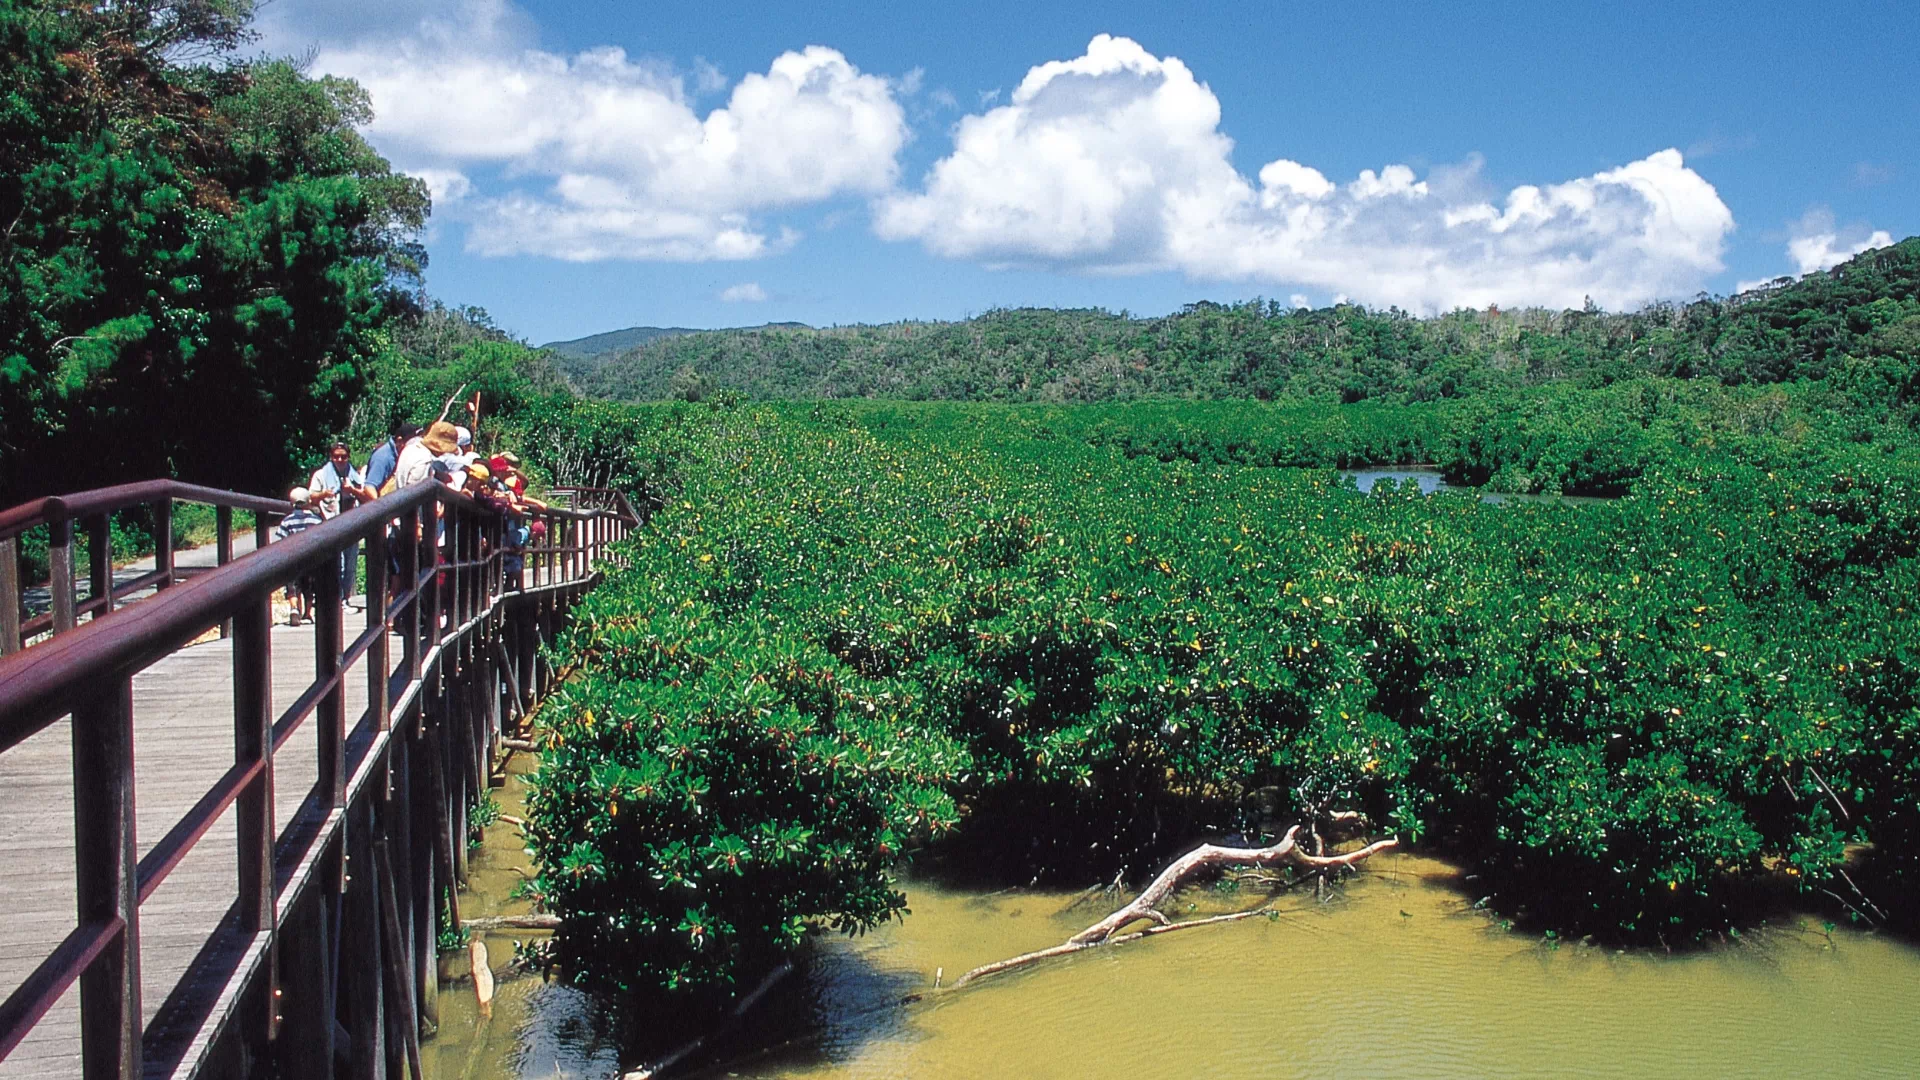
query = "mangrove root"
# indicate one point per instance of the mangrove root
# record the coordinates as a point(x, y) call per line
point(1146, 905)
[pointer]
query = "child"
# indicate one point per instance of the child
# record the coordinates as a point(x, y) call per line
point(304, 517)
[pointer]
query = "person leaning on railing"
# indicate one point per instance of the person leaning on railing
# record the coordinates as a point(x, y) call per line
point(492, 492)
point(385, 457)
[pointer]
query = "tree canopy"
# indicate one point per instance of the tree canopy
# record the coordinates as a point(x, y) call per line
point(187, 234)
point(1856, 325)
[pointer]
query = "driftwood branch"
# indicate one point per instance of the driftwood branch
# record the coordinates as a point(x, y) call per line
point(1146, 905)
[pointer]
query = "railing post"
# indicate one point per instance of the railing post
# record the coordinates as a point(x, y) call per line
point(60, 572)
point(253, 809)
point(430, 587)
point(163, 541)
point(456, 535)
point(377, 659)
point(330, 713)
point(223, 549)
point(409, 618)
point(9, 596)
point(106, 882)
point(100, 564)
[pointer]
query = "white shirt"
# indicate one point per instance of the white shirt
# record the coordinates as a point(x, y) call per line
point(411, 468)
point(325, 479)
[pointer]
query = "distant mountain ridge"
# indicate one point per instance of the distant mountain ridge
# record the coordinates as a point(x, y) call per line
point(1859, 321)
point(613, 341)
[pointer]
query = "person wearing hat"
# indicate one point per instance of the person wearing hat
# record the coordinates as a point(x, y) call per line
point(418, 454)
point(462, 455)
point(303, 517)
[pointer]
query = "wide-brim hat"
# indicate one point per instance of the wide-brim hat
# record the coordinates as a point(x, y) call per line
point(441, 438)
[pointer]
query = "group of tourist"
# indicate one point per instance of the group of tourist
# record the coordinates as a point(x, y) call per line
point(442, 452)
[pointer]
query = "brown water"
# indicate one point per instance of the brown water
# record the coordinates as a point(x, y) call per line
point(1396, 977)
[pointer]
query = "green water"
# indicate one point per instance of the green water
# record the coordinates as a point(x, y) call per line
point(1397, 976)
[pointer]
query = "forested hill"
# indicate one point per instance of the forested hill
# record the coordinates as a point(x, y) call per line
point(1859, 322)
point(582, 353)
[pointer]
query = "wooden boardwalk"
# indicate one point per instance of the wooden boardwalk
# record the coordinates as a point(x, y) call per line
point(183, 743)
point(152, 926)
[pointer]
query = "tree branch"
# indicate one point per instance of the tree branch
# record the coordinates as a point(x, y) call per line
point(1146, 905)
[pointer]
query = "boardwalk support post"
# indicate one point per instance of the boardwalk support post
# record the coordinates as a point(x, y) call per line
point(9, 596)
point(60, 572)
point(106, 857)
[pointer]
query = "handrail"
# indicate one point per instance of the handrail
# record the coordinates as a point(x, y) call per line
point(600, 498)
point(93, 511)
point(453, 586)
point(39, 685)
point(54, 508)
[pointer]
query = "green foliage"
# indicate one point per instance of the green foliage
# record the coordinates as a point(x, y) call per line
point(187, 236)
point(1856, 319)
point(1626, 714)
point(448, 935)
point(482, 814)
point(715, 785)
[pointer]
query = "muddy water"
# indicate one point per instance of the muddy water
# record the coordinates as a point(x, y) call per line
point(1397, 977)
point(537, 1029)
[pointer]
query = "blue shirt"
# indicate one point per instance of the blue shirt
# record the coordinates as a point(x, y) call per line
point(380, 465)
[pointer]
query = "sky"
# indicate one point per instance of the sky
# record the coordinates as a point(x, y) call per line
point(599, 164)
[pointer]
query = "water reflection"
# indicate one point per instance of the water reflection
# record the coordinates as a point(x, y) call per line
point(1430, 481)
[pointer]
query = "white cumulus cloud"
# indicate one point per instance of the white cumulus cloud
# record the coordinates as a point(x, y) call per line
point(600, 155)
point(747, 292)
point(1816, 243)
point(1115, 162)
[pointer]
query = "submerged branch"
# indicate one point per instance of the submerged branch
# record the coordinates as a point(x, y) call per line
point(1146, 905)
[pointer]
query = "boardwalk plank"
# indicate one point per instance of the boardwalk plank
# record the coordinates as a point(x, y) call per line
point(183, 744)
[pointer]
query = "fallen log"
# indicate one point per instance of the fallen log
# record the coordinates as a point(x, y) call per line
point(1145, 907)
point(482, 975)
point(511, 922)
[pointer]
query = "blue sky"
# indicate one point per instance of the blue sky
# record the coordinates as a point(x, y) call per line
point(734, 164)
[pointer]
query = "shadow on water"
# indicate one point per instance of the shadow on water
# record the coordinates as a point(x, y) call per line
point(839, 999)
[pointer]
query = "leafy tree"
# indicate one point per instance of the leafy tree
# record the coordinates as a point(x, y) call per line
point(188, 236)
point(1261, 350)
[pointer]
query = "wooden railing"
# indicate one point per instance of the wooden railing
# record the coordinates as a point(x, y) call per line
point(449, 653)
point(90, 514)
